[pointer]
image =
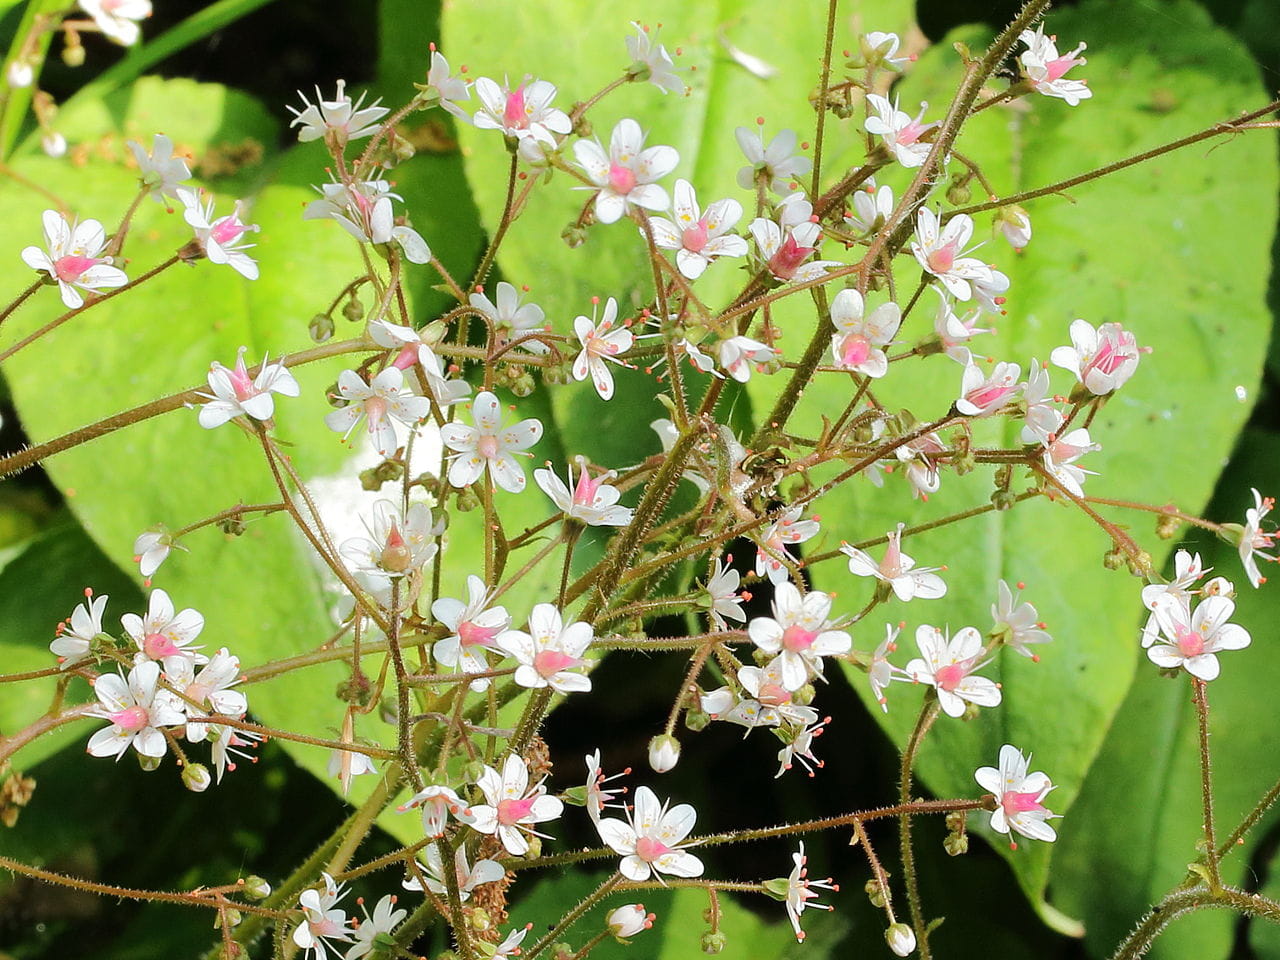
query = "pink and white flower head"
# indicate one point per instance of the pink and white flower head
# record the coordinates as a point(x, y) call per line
point(337, 121)
point(380, 402)
point(511, 319)
point(74, 637)
point(726, 602)
point(600, 342)
point(163, 634)
point(1042, 418)
point(698, 237)
point(235, 393)
point(649, 839)
point(1253, 539)
point(801, 888)
point(1103, 359)
point(940, 250)
point(1019, 796)
point(118, 19)
point(777, 165)
point(323, 922)
point(475, 627)
point(627, 175)
point(469, 877)
point(872, 206)
point(897, 570)
point(880, 672)
point(160, 171)
point(650, 60)
point(798, 745)
point(1017, 624)
point(136, 709)
point(373, 933)
point(1193, 639)
point(859, 341)
point(414, 348)
point(1014, 223)
point(920, 457)
point(551, 652)
point(72, 258)
point(522, 113)
point(598, 795)
point(211, 688)
point(364, 209)
point(983, 394)
point(396, 545)
point(1187, 571)
point(488, 445)
point(954, 332)
point(725, 704)
point(1060, 456)
point(220, 238)
point(437, 803)
point(1044, 68)
point(900, 132)
point(444, 89)
point(592, 500)
point(799, 633)
point(771, 703)
point(771, 550)
point(787, 243)
point(947, 665)
point(512, 805)
point(739, 355)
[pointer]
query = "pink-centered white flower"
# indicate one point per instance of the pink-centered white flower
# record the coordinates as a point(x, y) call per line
point(785, 244)
point(650, 60)
point(72, 258)
point(235, 393)
point(1042, 419)
point(437, 802)
point(989, 290)
point(802, 889)
point(627, 175)
point(698, 236)
point(475, 626)
point(901, 133)
point(211, 689)
point(1253, 539)
point(771, 702)
point(118, 19)
point(1060, 456)
point(510, 945)
point(164, 634)
point(1187, 570)
point(740, 355)
point(337, 121)
point(511, 319)
point(1193, 639)
point(799, 633)
point(797, 744)
point(512, 805)
point(467, 876)
point(947, 665)
point(859, 341)
point(940, 248)
point(771, 549)
point(488, 445)
point(649, 839)
point(523, 113)
point(364, 209)
point(982, 393)
point(160, 171)
point(591, 500)
point(323, 922)
point(137, 708)
point(600, 342)
point(1017, 624)
point(1044, 68)
point(1102, 359)
point(74, 637)
point(397, 544)
point(551, 652)
point(413, 349)
point(220, 238)
point(1019, 796)
point(777, 165)
point(722, 589)
point(380, 402)
point(897, 569)
point(878, 49)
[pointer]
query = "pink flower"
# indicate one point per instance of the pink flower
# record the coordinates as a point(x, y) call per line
point(787, 243)
point(163, 634)
point(220, 239)
point(524, 113)
point(551, 652)
point(1102, 359)
point(235, 393)
point(981, 394)
point(136, 709)
point(1018, 796)
point(1060, 455)
point(859, 340)
point(947, 665)
point(627, 175)
point(901, 133)
point(592, 500)
point(940, 248)
point(437, 802)
point(1044, 67)
point(475, 626)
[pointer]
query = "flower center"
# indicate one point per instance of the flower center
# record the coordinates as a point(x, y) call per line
point(157, 646)
point(396, 555)
point(1190, 643)
point(1014, 802)
point(514, 115)
point(988, 395)
point(622, 179)
point(550, 662)
point(511, 812)
point(797, 639)
point(472, 635)
point(787, 260)
point(71, 267)
point(949, 677)
point(227, 230)
point(132, 719)
point(650, 849)
point(943, 259)
point(407, 357)
point(774, 695)
point(241, 382)
point(199, 692)
point(487, 446)
point(695, 238)
point(1054, 69)
point(855, 349)
point(584, 494)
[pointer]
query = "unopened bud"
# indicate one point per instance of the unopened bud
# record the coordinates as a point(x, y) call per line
point(956, 844)
point(466, 500)
point(54, 144)
point(1114, 559)
point(478, 919)
point(627, 921)
point(353, 309)
point(195, 777)
point(523, 385)
point(21, 74)
point(958, 194)
point(1003, 499)
point(232, 526)
point(875, 893)
point(335, 398)
point(695, 719)
point(1140, 565)
point(804, 696)
point(1167, 527)
point(320, 328)
point(574, 235)
point(255, 888)
point(713, 941)
point(901, 939)
point(473, 770)
point(73, 54)
point(229, 916)
point(388, 471)
point(664, 753)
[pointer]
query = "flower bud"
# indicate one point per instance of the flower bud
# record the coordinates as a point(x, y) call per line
point(1140, 566)
point(956, 844)
point(664, 753)
point(54, 144)
point(875, 893)
point(73, 55)
point(232, 526)
point(478, 919)
point(320, 328)
point(695, 719)
point(1219, 587)
point(713, 941)
point(255, 888)
point(1113, 559)
point(21, 74)
point(149, 763)
point(574, 235)
point(467, 500)
point(901, 939)
point(195, 777)
point(231, 917)
point(353, 309)
point(958, 194)
point(627, 921)
point(1167, 527)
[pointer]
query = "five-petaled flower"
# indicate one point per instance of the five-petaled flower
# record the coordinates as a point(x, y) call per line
point(939, 249)
point(336, 121)
point(475, 626)
point(698, 236)
point(524, 113)
point(627, 175)
point(592, 500)
point(1102, 359)
point(235, 393)
point(799, 633)
point(786, 243)
point(72, 258)
point(74, 637)
point(897, 569)
point(160, 171)
point(801, 889)
point(650, 60)
point(322, 920)
point(220, 239)
point(600, 342)
point(163, 634)
point(380, 401)
point(948, 664)
point(137, 708)
point(1192, 640)
point(488, 445)
point(437, 802)
point(901, 134)
point(396, 545)
point(776, 165)
point(771, 554)
point(1253, 539)
point(1018, 796)
point(649, 839)
point(550, 653)
point(859, 341)
point(1043, 67)
point(513, 806)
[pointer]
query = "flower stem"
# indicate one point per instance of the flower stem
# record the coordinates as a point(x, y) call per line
point(572, 916)
point(928, 713)
point(1206, 783)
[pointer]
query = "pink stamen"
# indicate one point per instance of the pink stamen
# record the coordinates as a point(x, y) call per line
point(949, 677)
point(649, 849)
point(695, 238)
point(514, 115)
point(1014, 802)
point(622, 180)
point(71, 267)
point(471, 635)
point(511, 812)
point(796, 638)
point(787, 260)
point(132, 719)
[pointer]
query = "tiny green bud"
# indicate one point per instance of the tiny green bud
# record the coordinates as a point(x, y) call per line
point(467, 500)
point(778, 888)
point(875, 893)
point(958, 194)
point(695, 719)
point(256, 888)
point(479, 920)
point(574, 235)
point(713, 941)
point(73, 55)
point(1167, 527)
point(353, 309)
point(195, 777)
point(956, 844)
point(1113, 559)
point(230, 916)
point(321, 327)
point(148, 763)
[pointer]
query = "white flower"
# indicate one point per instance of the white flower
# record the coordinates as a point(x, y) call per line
point(510, 945)
point(858, 342)
point(1042, 419)
point(468, 877)
point(771, 701)
point(396, 545)
point(940, 251)
point(364, 210)
point(901, 939)
point(1193, 640)
point(698, 237)
point(72, 259)
point(600, 342)
point(414, 349)
point(1014, 223)
point(982, 394)
point(897, 569)
point(75, 636)
point(650, 61)
point(54, 144)
point(1060, 455)
point(475, 625)
point(346, 764)
point(235, 393)
point(878, 50)
point(1187, 569)
point(871, 208)
point(591, 500)
point(785, 244)
point(550, 651)
point(1018, 796)
point(512, 805)
point(649, 840)
point(163, 634)
point(117, 19)
point(511, 319)
point(210, 687)
point(486, 444)
point(437, 802)
point(374, 932)
point(777, 164)
point(771, 552)
point(1043, 67)
point(336, 121)
point(220, 238)
point(799, 633)
point(443, 88)
point(1253, 539)
point(322, 920)
point(798, 745)
point(627, 175)
point(880, 672)
point(989, 290)
point(381, 401)
point(598, 796)
point(160, 171)
point(223, 745)
point(901, 133)
point(947, 665)
point(627, 921)
point(1102, 359)
point(726, 602)
point(136, 710)
point(1018, 627)
point(738, 354)
point(524, 113)
point(954, 332)
point(801, 890)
